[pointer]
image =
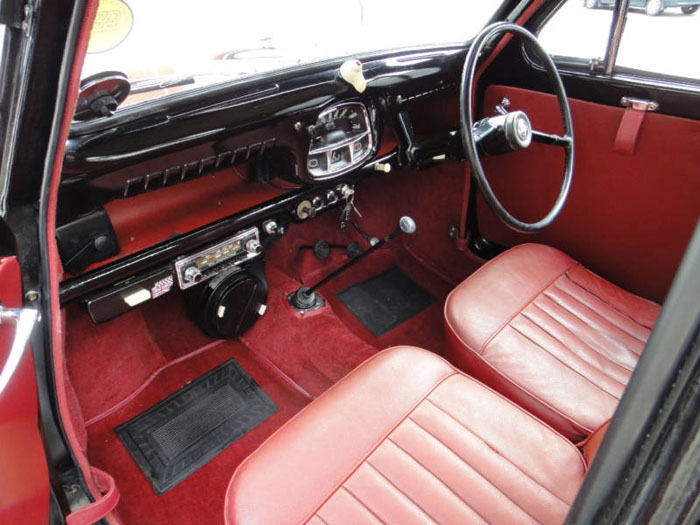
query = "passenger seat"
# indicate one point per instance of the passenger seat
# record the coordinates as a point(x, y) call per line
point(407, 438)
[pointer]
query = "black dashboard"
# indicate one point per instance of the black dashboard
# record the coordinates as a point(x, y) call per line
point(307, 127)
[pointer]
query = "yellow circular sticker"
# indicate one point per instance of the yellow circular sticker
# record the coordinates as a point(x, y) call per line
point(113, 22)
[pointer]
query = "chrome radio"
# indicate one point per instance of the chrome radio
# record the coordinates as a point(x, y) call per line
point(193, 269)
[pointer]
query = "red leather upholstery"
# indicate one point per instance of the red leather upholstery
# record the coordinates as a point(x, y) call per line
point(407, 438)
point(549, 334)
point(589, 448)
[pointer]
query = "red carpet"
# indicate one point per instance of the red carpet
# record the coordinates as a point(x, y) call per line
point(121, 368)
point(107, 362)
point(424, 330)
point(314, 349)
point(200, 498)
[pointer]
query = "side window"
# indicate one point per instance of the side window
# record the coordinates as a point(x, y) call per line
point(660, 37)
point(579, 30)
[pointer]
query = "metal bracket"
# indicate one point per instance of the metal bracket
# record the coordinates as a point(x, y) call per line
point(639, 104)
point(25, 319)
point(502, 107)
point(28, 19)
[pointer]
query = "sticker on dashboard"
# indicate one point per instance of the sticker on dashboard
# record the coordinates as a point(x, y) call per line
point(162, 287)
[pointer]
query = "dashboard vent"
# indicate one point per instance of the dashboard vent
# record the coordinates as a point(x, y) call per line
point(196, 168)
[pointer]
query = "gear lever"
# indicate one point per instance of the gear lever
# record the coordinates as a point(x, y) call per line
point(306, 298)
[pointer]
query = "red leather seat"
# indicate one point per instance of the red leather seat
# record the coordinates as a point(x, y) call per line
point(549, 334)
point(407, 438)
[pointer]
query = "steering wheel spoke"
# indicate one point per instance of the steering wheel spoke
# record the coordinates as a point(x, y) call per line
point(551, 139)
point(475, 139)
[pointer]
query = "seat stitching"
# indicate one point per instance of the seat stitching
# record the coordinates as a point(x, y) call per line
point(580, 427)
point(508, 460)
point(317, 515)
point(590, 346)
point(352, 494)
point(565, 364)
point(606, 302)
point(380, 440)
point(574, 334)
point(602, 370)
point(368, 462)
point(553, 298)
point(419, 463)
point(615, 325)
point(467, 464)
point(481, 348)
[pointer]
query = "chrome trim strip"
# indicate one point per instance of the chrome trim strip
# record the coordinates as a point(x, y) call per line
point(618, 26)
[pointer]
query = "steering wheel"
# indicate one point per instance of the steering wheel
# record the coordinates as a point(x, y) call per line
point(511, 131)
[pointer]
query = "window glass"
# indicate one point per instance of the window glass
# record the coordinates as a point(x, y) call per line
point(667, 42)
point(579, 29)
point(194, 43)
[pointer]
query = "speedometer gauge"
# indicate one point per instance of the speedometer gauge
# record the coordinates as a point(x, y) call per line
point(341, 139)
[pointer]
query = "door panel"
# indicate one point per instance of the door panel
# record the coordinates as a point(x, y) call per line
point(628, 217)
point(24, 482)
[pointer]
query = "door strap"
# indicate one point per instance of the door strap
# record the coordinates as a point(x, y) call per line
point(631, 123)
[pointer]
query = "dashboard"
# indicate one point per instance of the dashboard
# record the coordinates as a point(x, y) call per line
point(171, 194)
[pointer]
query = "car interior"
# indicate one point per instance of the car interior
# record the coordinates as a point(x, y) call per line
point(404, 286)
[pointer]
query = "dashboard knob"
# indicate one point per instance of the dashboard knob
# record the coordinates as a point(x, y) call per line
point(351, 72)
point(253, 246)
point(305, 210)
point(317, 202)
point(192, 274)
point(331, 196)
point(345, 190)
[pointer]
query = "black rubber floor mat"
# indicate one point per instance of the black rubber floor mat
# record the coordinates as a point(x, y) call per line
point(174, 438)
point(384, 301)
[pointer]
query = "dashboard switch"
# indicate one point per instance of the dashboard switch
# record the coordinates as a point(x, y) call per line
point(270, 227)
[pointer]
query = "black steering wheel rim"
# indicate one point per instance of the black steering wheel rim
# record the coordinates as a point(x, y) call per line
point(467, 126)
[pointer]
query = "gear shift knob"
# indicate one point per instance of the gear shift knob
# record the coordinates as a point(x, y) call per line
point(407, 225)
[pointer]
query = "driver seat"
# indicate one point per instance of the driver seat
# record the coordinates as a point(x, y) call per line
point(549, 334)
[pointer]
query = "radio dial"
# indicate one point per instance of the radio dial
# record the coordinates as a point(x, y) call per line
point(192, 274)
point(253, 246)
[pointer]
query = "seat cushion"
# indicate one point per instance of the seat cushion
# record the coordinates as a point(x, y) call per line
point(406, 438)
point(549, 334)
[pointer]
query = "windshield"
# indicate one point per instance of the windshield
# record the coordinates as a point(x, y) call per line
point(165, 46)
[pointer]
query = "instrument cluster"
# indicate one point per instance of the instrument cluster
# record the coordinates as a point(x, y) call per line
point(341, 139)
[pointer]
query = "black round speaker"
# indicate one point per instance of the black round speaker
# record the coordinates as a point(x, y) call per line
point(229, 304)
